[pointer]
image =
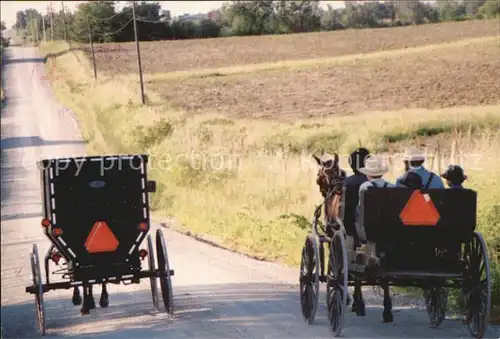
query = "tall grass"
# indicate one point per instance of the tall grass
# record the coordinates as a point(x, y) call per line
point(251, 184)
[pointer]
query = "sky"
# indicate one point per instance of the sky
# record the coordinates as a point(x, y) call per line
point(9, 8)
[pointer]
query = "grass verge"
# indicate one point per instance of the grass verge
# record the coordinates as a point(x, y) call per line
point(251, 184)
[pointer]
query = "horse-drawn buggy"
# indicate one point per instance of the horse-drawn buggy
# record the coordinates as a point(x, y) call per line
point(96, 215)
point(423, 238)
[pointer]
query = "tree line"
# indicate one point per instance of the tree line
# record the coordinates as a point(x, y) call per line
point(239, 18)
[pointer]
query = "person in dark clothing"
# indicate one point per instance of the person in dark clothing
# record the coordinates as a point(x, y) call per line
point(411, 179)
point(357, 161)
point(454, 176)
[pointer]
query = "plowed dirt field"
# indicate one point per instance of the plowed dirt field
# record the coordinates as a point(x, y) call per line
point(456, 76)
point(170, 56)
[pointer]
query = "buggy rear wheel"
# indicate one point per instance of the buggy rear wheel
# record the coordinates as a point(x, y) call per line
point(436, 301)
point(336, 288)
point(164, 270)
point(309, 279)
point(152, 268)
point(37, 283)
point(477, 285)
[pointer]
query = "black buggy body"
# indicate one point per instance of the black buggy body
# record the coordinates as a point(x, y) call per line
point(96, 215)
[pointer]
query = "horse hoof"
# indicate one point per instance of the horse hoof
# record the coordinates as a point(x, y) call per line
point(76, 300)
point(104, 302)
point(360, 309)
point(388, 318)
point(84, 311)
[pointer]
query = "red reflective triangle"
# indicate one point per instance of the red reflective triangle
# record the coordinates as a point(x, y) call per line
point(101, 239)
point(419, 211)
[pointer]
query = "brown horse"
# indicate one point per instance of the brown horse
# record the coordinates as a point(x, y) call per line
point(330, 179)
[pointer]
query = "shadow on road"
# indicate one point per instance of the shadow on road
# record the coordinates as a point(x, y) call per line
point(253, 310)
point(23, 60)
point(18, 216)
point(18, 142)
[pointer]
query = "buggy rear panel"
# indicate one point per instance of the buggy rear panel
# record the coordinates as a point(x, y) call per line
point(410, 244)
point(84, 197)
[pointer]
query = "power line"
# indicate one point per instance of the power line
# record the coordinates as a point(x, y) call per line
point(118, 30)
point(151, 21)
point(109, 18)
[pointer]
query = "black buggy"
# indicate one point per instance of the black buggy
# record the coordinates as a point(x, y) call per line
point(421, 238)
point(96, 215)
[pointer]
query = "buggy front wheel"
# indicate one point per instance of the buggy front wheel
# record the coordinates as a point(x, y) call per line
point(37, 283)
point(309, 279)
point(164, 272)
point(477, 285)
point(152, 268)
point(336, 288)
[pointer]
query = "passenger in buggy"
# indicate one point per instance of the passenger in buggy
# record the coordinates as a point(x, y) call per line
point(374, 170)
point(357, 161)
point(414, 159)
point(454, 176)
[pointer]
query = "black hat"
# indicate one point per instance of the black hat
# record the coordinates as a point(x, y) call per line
point(357, 159)
point(412, 179)
point(454, 174)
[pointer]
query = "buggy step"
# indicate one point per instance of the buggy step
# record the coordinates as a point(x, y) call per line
point(417, 274)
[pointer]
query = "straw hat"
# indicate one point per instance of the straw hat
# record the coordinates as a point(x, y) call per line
point(374, 167)
point(414, 154)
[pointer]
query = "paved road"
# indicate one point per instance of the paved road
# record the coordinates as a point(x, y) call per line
point(217, 294)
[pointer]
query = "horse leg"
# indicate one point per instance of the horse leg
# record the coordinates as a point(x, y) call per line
point(359, 304)
point(104, 301)
point(91, 298)
point(387, 315)
point(77, 298)
point(85, 307)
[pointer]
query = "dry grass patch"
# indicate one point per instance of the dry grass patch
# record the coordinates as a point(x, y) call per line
point(172, 56)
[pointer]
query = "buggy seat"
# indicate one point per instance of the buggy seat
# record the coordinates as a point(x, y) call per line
point(412, 229)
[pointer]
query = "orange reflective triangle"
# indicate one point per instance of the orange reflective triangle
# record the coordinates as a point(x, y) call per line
point(419, 210)
point(101, 239)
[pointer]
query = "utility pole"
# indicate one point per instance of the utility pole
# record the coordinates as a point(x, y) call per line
point(138, 53)
point(64, 21)
point(92, 48)
point(35, 31)
point(43, 27)
point(51, 22)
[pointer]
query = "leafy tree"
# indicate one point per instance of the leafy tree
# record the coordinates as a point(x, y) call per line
point(490, 9)
point(331, 19)
point(94, 13)
point(298, 16)
point(20, 20)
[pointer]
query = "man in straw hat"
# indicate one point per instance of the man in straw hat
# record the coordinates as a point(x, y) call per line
point(414, 159)
point(374, 170)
